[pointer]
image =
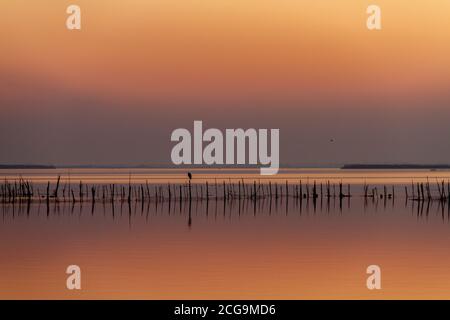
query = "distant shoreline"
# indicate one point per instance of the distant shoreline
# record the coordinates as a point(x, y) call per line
point(396, 166)
point(26, 166)
point(290, 166)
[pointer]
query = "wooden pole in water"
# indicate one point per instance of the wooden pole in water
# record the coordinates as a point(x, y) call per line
point(270, 189)
point(48, 190)
point(418, 191)
point(328, 189)
point(93, 193)
point(57, 187)
point(448, 190)
point(239, 186)
point(301, 189)
point(287, 189)
point(217, 192)
point(307, 190)
point(224, 191)
point(314, 190)
point(170, 192)
point(422, 191)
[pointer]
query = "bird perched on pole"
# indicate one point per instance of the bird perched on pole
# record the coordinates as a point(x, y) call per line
point(189, 175)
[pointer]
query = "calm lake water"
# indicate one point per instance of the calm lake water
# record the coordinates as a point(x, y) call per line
point(283, 248)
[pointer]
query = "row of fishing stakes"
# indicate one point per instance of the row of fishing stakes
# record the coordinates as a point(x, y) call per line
point(24, 191)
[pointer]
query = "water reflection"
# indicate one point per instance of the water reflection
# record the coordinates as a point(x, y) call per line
point(214, 206)
point(225, 239)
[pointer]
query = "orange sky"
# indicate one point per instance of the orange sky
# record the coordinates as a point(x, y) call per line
point(191, 48)
point(115, 90)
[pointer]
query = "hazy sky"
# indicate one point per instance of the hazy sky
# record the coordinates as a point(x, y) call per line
point(113, 92)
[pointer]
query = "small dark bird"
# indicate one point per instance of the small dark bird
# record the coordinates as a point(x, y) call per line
point(190, 175)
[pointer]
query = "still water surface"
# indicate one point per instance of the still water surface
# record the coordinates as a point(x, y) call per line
point(284, 248)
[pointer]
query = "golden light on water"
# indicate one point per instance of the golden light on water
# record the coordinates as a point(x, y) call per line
point(282, 249)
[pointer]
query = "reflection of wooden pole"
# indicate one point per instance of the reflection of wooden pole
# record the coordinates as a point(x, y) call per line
point(307, 190)
point(224, 191)
point(276, 190)
point(301, 189)
point(422, 190)
point(81, 191)
point(448, 192)
point(287, 189)
point(217, 192)
point(239, 186)
point(270, 190)
point(314, 190)
point(170, 192)
point(190, 191)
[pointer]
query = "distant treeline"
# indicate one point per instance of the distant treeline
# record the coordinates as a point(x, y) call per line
point(396, 166)
point(346, 166)
point(26, 166)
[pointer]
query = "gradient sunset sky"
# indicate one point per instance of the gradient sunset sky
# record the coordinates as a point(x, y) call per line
point(113, 92)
